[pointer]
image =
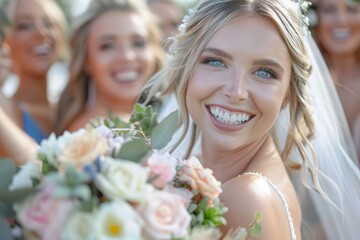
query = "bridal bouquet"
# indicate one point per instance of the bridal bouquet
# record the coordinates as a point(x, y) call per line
point(111, 181)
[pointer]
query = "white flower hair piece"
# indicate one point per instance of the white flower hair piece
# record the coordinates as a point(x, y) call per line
point(185, 20)
point(304, 6)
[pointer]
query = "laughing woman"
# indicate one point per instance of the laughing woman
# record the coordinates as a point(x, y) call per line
point(35, 39)
point(238, 68)
point(116, 49)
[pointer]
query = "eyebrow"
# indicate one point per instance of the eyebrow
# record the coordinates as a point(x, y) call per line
point(271, 63)
point(218, 52)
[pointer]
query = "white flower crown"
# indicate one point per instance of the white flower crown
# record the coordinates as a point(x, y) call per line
point(303, 5)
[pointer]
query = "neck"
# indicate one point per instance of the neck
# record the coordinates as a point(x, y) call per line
point(343, 66)
point(105, 105)
point(32, 90)
point(227, 165)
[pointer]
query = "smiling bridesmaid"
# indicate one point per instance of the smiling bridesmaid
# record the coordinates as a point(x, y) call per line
point(110, 63)
point(36, 40)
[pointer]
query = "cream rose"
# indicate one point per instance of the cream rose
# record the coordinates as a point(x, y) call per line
point(121, 179)
point(117, 220)
point(165, 216)
point(83, 149)
point(79, 226)
point(200, 178)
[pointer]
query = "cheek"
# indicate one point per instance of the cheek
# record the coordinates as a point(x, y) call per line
point(149, 62)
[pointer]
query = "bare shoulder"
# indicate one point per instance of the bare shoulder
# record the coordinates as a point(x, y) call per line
point(247, 194)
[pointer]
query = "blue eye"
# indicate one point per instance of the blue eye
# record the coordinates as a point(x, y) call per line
point(214, 62)
point(264, 73)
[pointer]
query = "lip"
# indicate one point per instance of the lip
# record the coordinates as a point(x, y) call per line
point(42, 50)
point(126, 76)
point(226, 127)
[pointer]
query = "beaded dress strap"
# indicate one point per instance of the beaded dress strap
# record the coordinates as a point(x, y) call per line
point(283, 199)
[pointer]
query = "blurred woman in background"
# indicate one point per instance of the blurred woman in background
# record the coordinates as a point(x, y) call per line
point(110, 63)
point(35, 40)
point(338, 36)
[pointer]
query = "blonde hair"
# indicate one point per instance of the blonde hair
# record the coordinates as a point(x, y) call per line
point(208, 17)
point(75, 95)
point(55, 14)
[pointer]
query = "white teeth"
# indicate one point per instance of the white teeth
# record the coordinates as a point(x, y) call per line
point(340, 33)
point(227, 117)
point(126, 76)
point(42, 49)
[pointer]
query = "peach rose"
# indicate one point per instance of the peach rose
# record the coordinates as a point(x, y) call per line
point(200, 178)
point(84, 149)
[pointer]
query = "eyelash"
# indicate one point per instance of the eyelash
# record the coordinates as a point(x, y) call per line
point(269, 71)
point(210, 61)
point(106, 46)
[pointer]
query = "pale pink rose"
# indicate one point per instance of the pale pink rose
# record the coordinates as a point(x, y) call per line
point(200, 178)
point(185, 194)
point(163, 167)
point(45, 214)
point(84, 149)
point(165, 216)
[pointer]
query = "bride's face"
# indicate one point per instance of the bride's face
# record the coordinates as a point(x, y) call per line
point(240, 83)
point(339, 26)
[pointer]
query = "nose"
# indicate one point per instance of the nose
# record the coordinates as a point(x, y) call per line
point(236, 89)
point(342, 17)
point(42, 30)
point(125, 53)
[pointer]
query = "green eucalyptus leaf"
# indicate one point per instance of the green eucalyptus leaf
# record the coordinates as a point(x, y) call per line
point(119, 123)
point(255, 229)
point(83, 192)
point(193, 220)
point(203, 203)
point(200, 217)
point(139, 107)
point(211, 212)
point(7, 171)
point(133, 150)
point(163, 132)
point(192, 207)
point(258, 217)
point(5, 231)
point(6, 210)
point(10, 197)
point(148, 112)
point(217, 221)
point(208, 223)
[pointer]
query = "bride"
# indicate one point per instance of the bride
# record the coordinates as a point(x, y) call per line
point(237, 68)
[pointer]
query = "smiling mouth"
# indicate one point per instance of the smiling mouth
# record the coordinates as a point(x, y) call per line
point(230, 118)
point(341, 34)
point(129, 76)
point(42, 50)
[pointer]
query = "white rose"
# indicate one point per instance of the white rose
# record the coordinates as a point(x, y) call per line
point(50, 147)
point(117, 220)
point(23, 179)
point(79, 226)
point(121, 179)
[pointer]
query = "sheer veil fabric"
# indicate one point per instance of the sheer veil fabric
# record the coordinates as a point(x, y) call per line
point(339, 215)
